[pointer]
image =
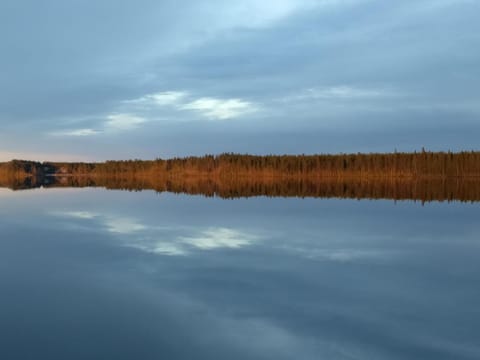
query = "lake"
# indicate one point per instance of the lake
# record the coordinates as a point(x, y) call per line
point(89, 273)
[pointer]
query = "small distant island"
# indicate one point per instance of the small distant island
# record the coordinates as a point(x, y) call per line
point(422, 175)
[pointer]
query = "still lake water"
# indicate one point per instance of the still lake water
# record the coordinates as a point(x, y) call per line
point(97, 274)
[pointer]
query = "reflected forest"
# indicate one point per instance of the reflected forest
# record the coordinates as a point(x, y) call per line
point(423, 176)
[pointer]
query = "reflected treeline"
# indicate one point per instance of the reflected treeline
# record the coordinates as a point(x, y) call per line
point(22, 182)
point(424, 190)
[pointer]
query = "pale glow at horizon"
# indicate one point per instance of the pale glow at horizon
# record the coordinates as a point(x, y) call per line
point(6, 156)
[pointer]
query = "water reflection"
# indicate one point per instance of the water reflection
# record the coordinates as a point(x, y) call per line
point(89, 273)
point(162, 239)
point(421, 189)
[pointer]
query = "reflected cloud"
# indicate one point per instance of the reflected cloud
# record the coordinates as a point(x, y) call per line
point(342, 255)
point(184, 240)
point(215, 238)
point(123, 225)
point(113, 224)
point(175, 242)
point(157, 247)
point(348, 255)
point(156, 239)
point(257, 298)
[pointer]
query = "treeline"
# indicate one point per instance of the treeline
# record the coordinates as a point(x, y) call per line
point(21, 168)
point(421, 164)
point(400, 165)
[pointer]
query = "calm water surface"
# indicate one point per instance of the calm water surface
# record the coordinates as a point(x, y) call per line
point(96, 274)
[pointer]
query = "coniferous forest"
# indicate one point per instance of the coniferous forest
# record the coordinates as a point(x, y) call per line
point(423, 176)
point(399, 165)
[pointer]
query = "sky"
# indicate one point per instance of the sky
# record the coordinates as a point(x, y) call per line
point(95, 80)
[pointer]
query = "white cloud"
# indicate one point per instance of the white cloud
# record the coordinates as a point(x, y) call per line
point(343, 92)
point(260, 14)
point(220, 109)
point(123, 121)
point(210, 107)
point(79, 214)
point(340, 93)
point(76, 132)
point(130, 114)
point(167, 98)
point(113, 122)
point(161, 98)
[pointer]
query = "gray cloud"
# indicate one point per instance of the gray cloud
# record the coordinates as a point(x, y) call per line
point(401, 75)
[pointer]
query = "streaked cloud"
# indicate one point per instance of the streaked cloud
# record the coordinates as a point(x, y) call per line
point(133, 113)
point(220, 109)
point(344, 92)
point(211, 108)
point(159, 247)
point(185, 241)
point(123, 121)
point(256, 14)
point(214, 238)
point(340, 92)
point(79, 214)
point(350, 255)
point(112, 123)
point(76, 132)
point(160, 98)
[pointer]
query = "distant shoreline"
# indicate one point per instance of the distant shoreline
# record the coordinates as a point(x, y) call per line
point(422, 176)
point(423, 164)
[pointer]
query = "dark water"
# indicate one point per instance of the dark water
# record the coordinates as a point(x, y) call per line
point(97, 274)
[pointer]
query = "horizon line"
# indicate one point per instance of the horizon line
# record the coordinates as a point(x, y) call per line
point(423, 150)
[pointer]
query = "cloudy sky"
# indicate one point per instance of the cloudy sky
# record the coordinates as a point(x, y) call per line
point(95, 80)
